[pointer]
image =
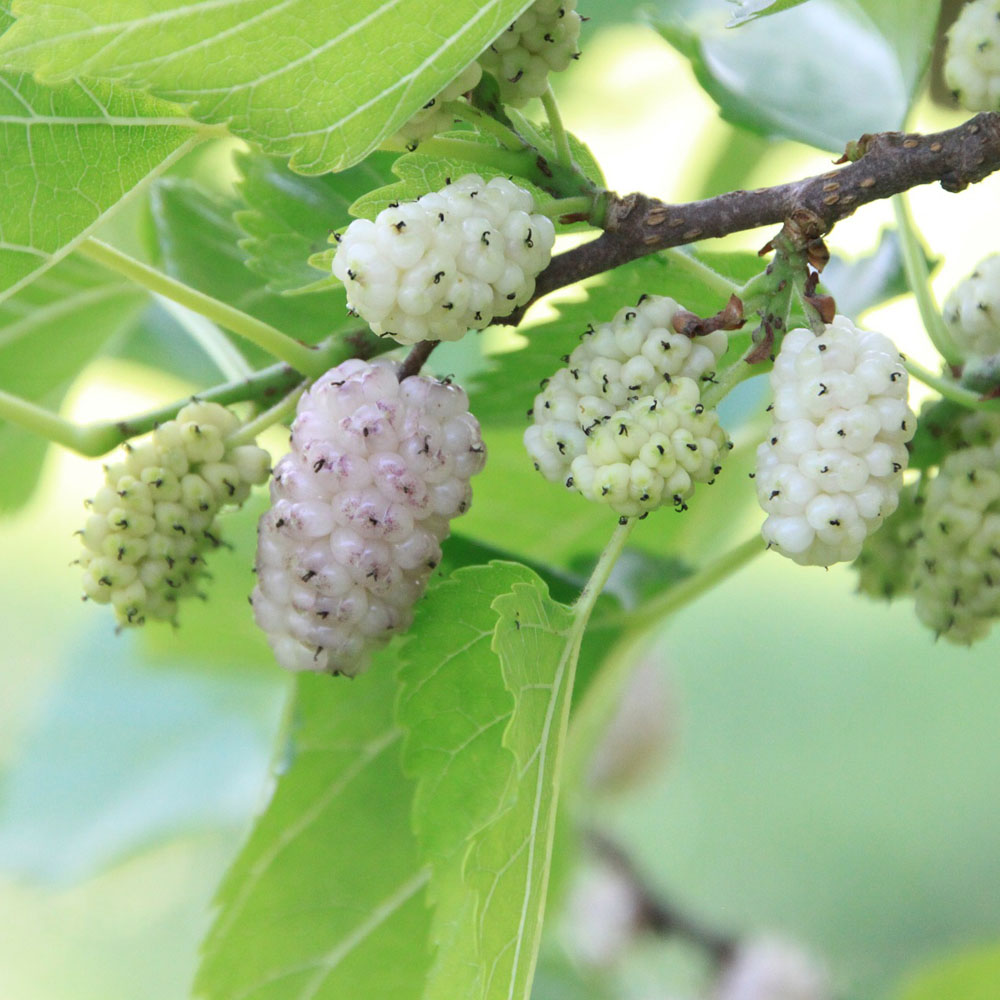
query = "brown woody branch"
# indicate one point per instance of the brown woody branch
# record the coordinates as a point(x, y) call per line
point(884, 164)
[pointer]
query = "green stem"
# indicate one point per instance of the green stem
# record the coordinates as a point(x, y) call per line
point(560, 138)
point(485, 124)
point(739, 371)
point(293, 352)
point(584, 604)
point(98, 439)
point(919, 280)
point(702, 272)
point(951, 389)
point(40, 421)
point(556, 208)
point(597, 705)
point(692, 587)
point(248, 433)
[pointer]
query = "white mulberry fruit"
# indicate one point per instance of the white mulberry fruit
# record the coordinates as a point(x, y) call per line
point(360, 506)
point(542, 40)
point(972, 310)
point(956, 573)
point(772, 969)
point(449, 262)
point(972, 59)
point(831, 468)
point(623, 422)
point(153, 519)
point(432, 117)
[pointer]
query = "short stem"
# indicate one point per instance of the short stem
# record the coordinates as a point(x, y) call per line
point(293, 352)
point(40, 421)
point(739, 371)
point(248, 433)
point(556, 208)
point(597, 705)
point(950, 389)
point(485, 124)
point(560, 140)
point(98, 439)
point(692, 587)
point(706, 275)
point(417, 358)
point(919, 279)
point(584, 604)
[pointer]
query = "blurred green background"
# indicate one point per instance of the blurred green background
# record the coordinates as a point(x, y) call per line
point(834, 775)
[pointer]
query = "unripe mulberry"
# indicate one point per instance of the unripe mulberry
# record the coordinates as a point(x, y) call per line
point(153, 519)
point(972, 60)
point(888, 555)
point(449, 262)
point(956, 573)
point(972, 310)
point(830, 470)
point(542, 40)
point(623, 422)
point(433, 117)
point(360, 506)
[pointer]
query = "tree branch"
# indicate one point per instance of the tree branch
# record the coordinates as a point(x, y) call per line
point(885, 164)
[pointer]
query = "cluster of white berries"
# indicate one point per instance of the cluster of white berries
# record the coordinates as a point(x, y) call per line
point(449, 262)
point(956, 570)
point(154, 518)
point(360, 506)
point(972, 60)
point(623, 422)
point(972, 309)
point(542, 40)
point(831, 469)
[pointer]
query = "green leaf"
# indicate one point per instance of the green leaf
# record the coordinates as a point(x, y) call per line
point(970, 975)
point(321, 83)
point(485, 703)
point(863, 62)
point(501, 397)
point(199, 243)
point(537, 642)
point(326, 900)
point(289, 216)
point(49, 331)
point(749, 10)
point(70, 155)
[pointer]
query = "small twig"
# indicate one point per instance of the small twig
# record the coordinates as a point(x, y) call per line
point(658, 915)
point(417, 358)
point(890, 163)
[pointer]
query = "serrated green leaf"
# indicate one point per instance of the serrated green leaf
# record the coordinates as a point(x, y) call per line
point(864, 74)
point(537, 641)
point(199, 244)
point(749, 10)
point(323, 84)
point(49, 331)
point(290, 216)
point(326, 900)
point(502, 396)
point(70, 154)
point(484, 697)
point(970, 975)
